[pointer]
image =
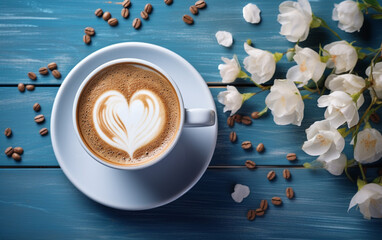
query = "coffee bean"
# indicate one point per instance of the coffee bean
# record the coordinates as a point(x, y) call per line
point(125, 13)
point(36, 107)
point(148, 8)
point(250, 164)
point(39, 118)
point(53, 65)
point(237, 118)
point(43, 71)
point(29, 87)
point(246, 120)
point(98, 12)
point(188, 19)
point(8, 132)
point(276, 201)
point(291, 156)
point(16, 156)
point(113, 22)
point(137, 23)
point(194, 10)
point(106, 16)
point(233, 136)
point(43, 131)
point(246, 145)
point(9, 151)
point(289, 192)
point(32, 75)
point(260, 212)
point(56, 74)
point(375, 118)
point(168, 2)
point(87, 39)
point(230, 121)
point(260, 147)
point(255, 115)
point(251, 215)
point(264, 204)
point(144, 15)
point(88, 31)
point(200, 4)
point(271, 175)
point(18, 150)
point(286, 173)
point(21, 87)
point(126, 3)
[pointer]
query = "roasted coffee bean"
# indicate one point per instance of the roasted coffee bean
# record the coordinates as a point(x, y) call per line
point(9, 151)
point(291, 156)
point(264, 204)
point(88, 31)
point(32, 75)
point(237, 118)
point(144, 15)
point(286, 173)
point(260, 212)
point(98, 12)
point(106, 16)
point(36, 107)
point(29, 87)
point(246, 145)
point(233, 136)
point(137, 23)
point(255, 115)
point(194, 10)
point(246, 120)
point(39, 118)
point(289, 192)
point(126, 3)
point(125, 13)
point(43, 71)
point(200, 4)
point(271, 175)
point(148, 8)
point(188, 19)
point(53, 65)
point(375, 118)
point(276, 201)
point(260, 147)
point(251, 215)
point(18, 150)
point(56, 74)
point(250, 164)
point(43, 131)
point(113, 22)
point(21, 87)
point(168, 2)
point(16, 156)
point(8, 132)
point(87, 39)
point(230, 121)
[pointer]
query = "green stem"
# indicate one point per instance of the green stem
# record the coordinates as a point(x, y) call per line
point(335, 34)
point(362, 172)
point(309, 89)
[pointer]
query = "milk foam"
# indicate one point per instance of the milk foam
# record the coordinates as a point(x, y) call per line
point(128, 125)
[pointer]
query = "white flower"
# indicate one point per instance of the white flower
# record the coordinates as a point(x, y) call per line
point(261, 64)
point(335, 166)
point(309, 66)
point(369, 200)
point(224, 38)
point(295, 19)
point(368, 148)
point(349, 16)
point(251, 13)
point(285, 102)
point(231, 98)
point(348, 83)
point(324, 141)
point(377, 77)
point(340, 108)
point(240, 192)
point(343, 56)
point(229, 70)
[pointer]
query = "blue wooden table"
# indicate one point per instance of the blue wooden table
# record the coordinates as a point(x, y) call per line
point(38, 202)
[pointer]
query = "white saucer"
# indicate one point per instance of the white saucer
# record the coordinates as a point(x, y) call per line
point(139, 189)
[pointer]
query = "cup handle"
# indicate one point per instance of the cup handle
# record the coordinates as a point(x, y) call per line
point(199, 117)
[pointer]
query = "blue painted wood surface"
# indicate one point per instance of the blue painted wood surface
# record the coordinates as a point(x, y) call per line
point(43, 204)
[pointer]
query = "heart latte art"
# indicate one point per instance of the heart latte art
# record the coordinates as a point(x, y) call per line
point(128, 125)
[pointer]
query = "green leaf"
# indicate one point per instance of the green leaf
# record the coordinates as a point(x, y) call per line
point(360, 183)
point(376, 16)
point(316, 22)
point(324, 59)
point(247, 96)
point(307, 96)
point(242, 74)
point(277, 56)
point(378, 180)
point(344, 132)
point(373, 3)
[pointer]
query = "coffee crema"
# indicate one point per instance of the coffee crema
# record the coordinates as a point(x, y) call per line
point(128, 114)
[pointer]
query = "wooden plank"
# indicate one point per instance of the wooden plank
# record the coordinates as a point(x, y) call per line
point(42, 204)
point(34, 33)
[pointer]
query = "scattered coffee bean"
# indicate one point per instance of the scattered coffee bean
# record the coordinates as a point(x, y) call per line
point(271, 175)
point(200, 4)
point(8, 132)
point(32, 75)
point(36, 107)
point(56, 74)
point(87, 39)
point(144, 15)
point(43, 131)
point(16, 156)
point(88, 31)
point(251, 215)
point(255, 115)
point(29, 87)
point(9, 151)
point(18, 150)
point(148, 8)
point(246, 120)
point(260, 147)
point(137, 23)
point(21, 87)
point(39, 118)
point(264, 204)
point(106, 16)
point(230, 121)
point(126, 3)
point(125, 13)
point(250, 164)
point(291, 156)
point(276, 201)
point(289, 192)
point(260, 212)
point(53, 65)
point(286, 173)
point(113, 22)
point(246, 145)
point(237, 118)
point(98, 12)
point(188, 19)
point(168, 2)
point(43, 71)
point(375, 118)
point(194, 10)
point(233, 136)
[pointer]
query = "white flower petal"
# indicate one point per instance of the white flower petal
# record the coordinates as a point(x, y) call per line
point(230, 70)
point(349, 16)
point(224, 38)
point(240, 192)
point(336, 166)
point(368, 148)
point(369, 201)
point(251, 13)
